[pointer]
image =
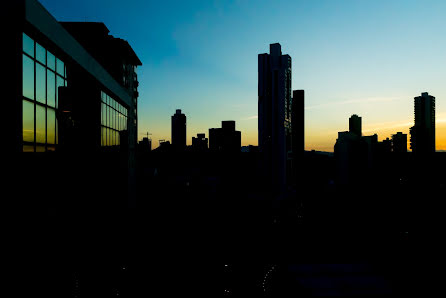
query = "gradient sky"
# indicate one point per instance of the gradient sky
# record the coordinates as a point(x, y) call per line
point(351, 57)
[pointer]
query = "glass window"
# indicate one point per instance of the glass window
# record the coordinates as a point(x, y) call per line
point(40, 83)
point(103, 137)
point(40, 54)
point(59, 83)
point(51, 60)
point(28, 45)
point(51, 91)
point(28, 121)
point(51, 126)
point(28, 77)
point(60, 67)
point(40, 124)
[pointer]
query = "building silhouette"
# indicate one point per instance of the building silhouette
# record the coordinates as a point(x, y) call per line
point(274, 112)
point(422, 134)
point(399, 143)
point(226, 138)
point(298, 132)
point(200, 143)
point(179, 130)
point(145, 145)
point(355, 125)
point(73, 102)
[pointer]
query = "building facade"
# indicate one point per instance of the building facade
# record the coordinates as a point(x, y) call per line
point(70, 113)
point(274, 112)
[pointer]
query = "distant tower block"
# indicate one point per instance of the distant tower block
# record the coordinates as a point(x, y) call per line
point(355, 125)
point(422, 134)
point(179, 130)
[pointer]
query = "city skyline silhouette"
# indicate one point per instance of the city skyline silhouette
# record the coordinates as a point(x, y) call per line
point(170, 156)
point(375, 66)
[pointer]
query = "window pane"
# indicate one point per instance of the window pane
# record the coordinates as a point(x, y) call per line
point(103, 136)
point(51, 60)
point(40, 54)
point(57, 133)
point(60, 67)
point(102, 96)
point(40, 124)
point(28, 148)
point(40, 148)
point(51, 91)
point(40, 83)
point(28, 121)
point(28, 45)
point(28, 77)
point(51, 126)
point(108, 137)
point(59, 83)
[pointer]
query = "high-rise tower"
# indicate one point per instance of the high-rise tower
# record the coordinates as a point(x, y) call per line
point(179, 130)
point(422, 134)
point(275, 114)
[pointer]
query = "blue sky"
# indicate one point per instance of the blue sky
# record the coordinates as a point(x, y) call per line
point(354, 56)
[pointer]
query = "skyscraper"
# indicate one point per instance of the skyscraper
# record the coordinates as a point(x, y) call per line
point(298, 132)
point(355, 125)
point(422, 134)
point(179, 130)
point(274, 87)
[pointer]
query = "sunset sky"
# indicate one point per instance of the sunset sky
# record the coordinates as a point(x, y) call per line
point(369, 58)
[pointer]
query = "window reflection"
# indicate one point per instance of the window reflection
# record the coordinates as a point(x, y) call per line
point(60, 82)
point(60, 67)
point(28, 45)
point(50, 60)
point(40, 83)
point(28, 121)
point(28, 77)
point(51, 88)
point(40, 124)
point(40, 54)
point(112, 119)
point(51, 126)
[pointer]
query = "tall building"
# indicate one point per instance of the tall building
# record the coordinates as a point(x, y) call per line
point(355, 125)
point(298, 131)
point(274, 122)
point(72, 104)
point(179, 130)
point(399, 142)
point(422, 134)
point(226, 138)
